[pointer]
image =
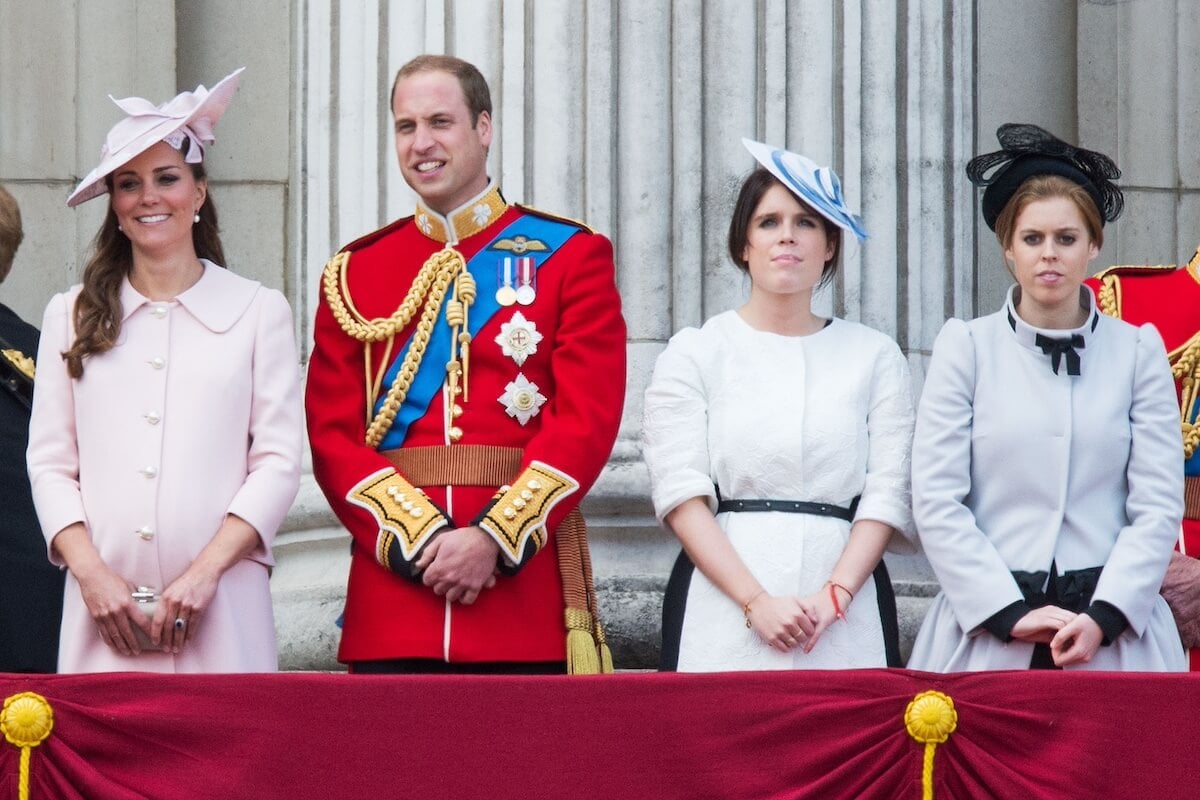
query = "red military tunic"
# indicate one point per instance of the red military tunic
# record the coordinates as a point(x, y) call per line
point(1169, 298)
point(547, 377)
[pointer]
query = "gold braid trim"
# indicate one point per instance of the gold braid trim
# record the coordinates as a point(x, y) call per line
point(1109, 296)
point(433, 281)
point(406, 516)
point(450, 264)
point(1185, 367)
point(520, 512)
point(21, 362)
point(337, 295)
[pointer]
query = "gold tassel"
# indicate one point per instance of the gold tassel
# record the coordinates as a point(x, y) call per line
point(606, 659)
point(582, 658)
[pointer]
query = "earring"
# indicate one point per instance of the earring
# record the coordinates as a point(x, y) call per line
point(122, 230)
point(196, 217)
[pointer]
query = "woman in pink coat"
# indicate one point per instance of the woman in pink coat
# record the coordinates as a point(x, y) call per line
point(164, 447)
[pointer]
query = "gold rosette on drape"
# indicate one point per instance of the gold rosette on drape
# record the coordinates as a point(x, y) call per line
point(930, 719)
point(26, 721)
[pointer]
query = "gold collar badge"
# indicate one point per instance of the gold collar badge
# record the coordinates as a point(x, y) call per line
point(467, 220)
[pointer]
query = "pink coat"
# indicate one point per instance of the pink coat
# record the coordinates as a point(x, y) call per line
point(194, 414)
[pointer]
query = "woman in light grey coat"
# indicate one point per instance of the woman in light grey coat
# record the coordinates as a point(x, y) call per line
point(1047, 462)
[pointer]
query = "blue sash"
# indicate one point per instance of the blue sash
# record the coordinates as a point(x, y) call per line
point(427, 383)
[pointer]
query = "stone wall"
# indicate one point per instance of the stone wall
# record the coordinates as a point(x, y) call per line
point(628, 115)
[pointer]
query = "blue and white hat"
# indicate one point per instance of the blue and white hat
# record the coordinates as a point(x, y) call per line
point(816, 186)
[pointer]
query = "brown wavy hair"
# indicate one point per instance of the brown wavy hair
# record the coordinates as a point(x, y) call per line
point(98, 307)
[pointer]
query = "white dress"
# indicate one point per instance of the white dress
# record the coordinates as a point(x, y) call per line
point(820, 418)
point(1016, 467)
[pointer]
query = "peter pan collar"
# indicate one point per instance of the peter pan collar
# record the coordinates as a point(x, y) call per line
point(1059, 346)
point(217, 300)
point(466, 220)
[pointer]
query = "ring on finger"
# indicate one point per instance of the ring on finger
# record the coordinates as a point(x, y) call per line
point(180, 623)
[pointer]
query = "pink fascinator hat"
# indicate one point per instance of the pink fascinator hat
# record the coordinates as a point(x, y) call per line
point(190, 114)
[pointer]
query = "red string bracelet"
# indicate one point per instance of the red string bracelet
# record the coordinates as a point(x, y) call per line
point(837, 607)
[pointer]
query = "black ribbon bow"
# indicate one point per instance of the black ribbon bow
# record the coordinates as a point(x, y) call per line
point(1058, 346)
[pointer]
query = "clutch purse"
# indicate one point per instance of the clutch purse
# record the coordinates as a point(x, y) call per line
point(146, 599)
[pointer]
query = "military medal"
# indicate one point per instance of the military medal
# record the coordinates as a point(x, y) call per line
point(506, 295)
point(521, 399)
point(526, 278)
point(518, 338)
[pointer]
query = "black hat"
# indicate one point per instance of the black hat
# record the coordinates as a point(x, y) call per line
point(1027, 150)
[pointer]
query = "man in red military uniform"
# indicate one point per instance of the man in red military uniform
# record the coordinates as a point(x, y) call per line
point(464, 392)
point(1169, 298)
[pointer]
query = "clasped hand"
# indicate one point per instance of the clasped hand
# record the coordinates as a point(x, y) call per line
point(784, 622)
point(1073, 638)
point(459, 564)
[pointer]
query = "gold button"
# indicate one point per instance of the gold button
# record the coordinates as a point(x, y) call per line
point(407, 505)
point(455, 434)
point(526, 494)
point(456, 411)
point(534, 484)
point(416, 512)
point(518, 504)
point(510, 512)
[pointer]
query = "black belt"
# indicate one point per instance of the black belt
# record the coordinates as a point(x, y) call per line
point(791, 507)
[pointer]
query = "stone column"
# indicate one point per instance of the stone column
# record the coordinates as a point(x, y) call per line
point(59, 60)
point(1139, 101)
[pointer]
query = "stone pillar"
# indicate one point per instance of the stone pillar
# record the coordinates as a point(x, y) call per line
point(59, 60)
point(1139, 102)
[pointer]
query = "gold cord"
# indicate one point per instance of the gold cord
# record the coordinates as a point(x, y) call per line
point(437, 273)
point(337, 295)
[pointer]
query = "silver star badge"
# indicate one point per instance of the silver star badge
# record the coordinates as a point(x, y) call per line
point(521, 399)
point(518, 338)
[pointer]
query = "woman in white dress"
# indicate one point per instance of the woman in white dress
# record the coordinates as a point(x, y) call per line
point(778, 447)
point(1047, 462)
